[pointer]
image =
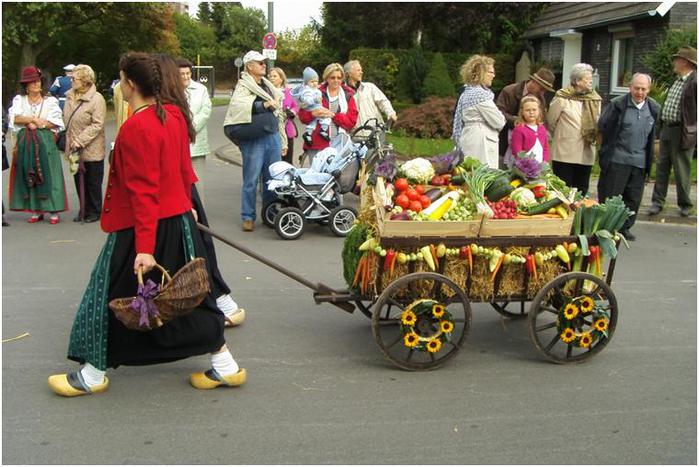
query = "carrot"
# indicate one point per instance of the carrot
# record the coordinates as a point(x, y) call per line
point(393, 264)
point(470, 260)
point(497, 267)
point(358, 271)
point(367, 274)
point(433, 252)
point(534, 270)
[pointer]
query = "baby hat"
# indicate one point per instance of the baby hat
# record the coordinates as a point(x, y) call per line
point(309, 74)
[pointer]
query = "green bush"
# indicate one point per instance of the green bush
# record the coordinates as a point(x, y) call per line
point(411, 71)
point(437, 82)
point(659, 60)
point(380, 67)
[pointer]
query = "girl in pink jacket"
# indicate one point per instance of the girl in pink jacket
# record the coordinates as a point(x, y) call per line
point(529, 134)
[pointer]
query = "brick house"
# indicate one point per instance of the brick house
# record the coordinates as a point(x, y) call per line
point(612, 37)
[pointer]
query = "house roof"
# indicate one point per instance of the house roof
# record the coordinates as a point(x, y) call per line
point(582, 15)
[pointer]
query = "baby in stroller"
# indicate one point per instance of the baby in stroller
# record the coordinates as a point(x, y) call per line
point(315, 193)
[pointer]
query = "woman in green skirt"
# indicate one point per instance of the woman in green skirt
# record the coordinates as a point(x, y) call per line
point(36, 174)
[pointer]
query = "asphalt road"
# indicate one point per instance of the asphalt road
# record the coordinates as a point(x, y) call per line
point(319, 391)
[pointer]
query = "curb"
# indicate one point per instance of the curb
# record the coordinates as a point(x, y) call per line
point(229, 153)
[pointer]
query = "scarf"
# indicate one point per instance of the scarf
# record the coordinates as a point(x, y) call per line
point(472, 95)
point(590, 110)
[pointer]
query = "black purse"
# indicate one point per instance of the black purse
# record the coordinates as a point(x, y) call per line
point(262, 124)
point(61, 137)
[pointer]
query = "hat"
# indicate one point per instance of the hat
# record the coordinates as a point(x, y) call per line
point(545, 78)
point(30, 74)
point(69, 67)
point(688, 53)
point(253, 56)
point(309, 74)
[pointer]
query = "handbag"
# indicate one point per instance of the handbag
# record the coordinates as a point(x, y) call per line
point(154, 306)
point(61, 136)
point(261, 124)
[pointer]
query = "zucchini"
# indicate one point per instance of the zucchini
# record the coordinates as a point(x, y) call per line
point(543, 207)
point(458, 180)
point(498, 189)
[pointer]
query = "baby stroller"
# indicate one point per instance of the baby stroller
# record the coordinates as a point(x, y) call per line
point(315, 193)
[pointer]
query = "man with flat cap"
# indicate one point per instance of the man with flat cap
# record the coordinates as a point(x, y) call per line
point(678, 133)
point(511, 95)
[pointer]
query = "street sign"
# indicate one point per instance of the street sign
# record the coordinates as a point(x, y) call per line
point(269, 41)
point(270, 53)
point(238, 62)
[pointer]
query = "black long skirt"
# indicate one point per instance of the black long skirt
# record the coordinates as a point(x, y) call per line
point(196, 333)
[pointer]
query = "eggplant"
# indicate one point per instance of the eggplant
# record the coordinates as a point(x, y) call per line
point(434, 194)
point(401, 216)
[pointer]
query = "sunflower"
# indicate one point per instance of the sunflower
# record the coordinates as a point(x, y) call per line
point(585, 339)
point(437, 310)
point(601, 324)
point(570, 311)
point(447, 326)
point(411, 339)
point(408, 318)
point(433, 345)
point(586, 304)
point(568, 335)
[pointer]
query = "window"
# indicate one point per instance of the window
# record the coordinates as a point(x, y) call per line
point(622, 62)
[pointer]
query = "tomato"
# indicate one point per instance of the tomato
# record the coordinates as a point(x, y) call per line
point(401, 184)
point(437, 181)
point(420, 189)
point(412, 194)
point(403, 201)
point(415, 206)
point(425, 201)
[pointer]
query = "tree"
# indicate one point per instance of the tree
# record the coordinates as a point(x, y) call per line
point(298, 49)
point(204, 12)
point(411, 73)
point(659, 61)
point(437, 82)
point(195, 38)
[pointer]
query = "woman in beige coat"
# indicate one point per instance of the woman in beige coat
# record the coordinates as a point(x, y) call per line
point(572, 121)
point(84, 114)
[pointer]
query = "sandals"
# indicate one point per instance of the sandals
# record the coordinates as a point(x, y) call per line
point(53, 220)
point(211, 379)
point(236, 319)
point(35, 218)
point(72, 384)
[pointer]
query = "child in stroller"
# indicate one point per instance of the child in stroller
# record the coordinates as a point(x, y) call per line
point(315, 193)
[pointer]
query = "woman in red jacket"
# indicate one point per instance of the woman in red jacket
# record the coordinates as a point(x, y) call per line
point(338, 104)
point(147, 212)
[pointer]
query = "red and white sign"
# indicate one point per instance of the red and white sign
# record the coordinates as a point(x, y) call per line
point(269, 41)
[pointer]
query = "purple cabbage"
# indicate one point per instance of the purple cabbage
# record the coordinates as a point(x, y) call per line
point(387, 168)
point(445, 163)
point(527, 167)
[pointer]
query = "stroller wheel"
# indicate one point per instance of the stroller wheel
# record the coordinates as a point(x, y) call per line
point(342, 220)
point(270, 210)
point(289, 223)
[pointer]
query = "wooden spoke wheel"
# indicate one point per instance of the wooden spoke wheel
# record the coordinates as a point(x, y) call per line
point(436, 304)
point(512, 310)
point(573, 317)
point(365, 307)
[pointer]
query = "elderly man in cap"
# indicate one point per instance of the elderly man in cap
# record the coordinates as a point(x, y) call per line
point(511, 95)
point(255, 123)
point(678, 133)
point(62, 84)
point(371, 102)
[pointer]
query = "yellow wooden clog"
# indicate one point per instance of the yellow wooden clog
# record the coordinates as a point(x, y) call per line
point(212, 379)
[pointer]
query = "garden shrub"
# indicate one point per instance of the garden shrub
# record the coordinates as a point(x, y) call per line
point(431, 119)
point(437, 82)
point(659, 60)
point(380, 67)
point(411, 72)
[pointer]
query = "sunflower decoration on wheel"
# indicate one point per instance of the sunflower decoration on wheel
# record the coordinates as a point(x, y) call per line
point(574, 325)
point(426, 324)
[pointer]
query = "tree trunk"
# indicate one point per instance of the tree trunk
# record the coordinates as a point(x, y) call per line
point(28, 55)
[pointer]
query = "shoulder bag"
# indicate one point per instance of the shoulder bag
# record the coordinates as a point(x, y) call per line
point(61, 138)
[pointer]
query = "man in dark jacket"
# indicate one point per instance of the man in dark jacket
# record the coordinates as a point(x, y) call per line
point(678, 133)
point(62, 85)
point(510, 97)
point(627, 126)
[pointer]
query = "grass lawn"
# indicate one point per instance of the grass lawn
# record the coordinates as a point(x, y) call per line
point(217, 101)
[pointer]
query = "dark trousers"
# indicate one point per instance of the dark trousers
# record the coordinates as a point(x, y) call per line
point(575, 175)
point(672, 156)
point(94, 172)
point(289, 153)
point(624, 180)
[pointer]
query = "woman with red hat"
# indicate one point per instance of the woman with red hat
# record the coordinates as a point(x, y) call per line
point(36, 175)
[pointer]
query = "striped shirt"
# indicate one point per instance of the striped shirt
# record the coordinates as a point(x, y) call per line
point(671, 108)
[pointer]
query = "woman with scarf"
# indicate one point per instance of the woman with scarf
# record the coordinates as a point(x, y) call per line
point(572, 122)
point(147, 212)
point(477, 120)
point(36, 174)
point(254, 122)
point(337, 104)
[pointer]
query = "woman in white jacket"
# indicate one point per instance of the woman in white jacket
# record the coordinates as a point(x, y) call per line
point(477, 121)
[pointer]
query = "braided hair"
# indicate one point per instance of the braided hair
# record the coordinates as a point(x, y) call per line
point(144, 71)
point(172, 91)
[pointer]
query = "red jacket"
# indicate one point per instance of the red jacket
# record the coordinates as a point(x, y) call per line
point(150, 176)
point(345, 120)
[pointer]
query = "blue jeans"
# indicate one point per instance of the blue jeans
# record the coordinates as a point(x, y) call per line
point(258, 154)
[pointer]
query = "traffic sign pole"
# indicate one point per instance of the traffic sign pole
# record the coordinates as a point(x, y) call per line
point(270, 28)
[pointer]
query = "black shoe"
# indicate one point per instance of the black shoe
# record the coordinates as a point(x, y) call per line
point(628, 235)
point(77, 218)
point(307, 138)
point(685, 212)
point(90, 219)
point(654, 210)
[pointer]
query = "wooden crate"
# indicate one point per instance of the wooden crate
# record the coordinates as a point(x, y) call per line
point(535, 227)
point(412, 229)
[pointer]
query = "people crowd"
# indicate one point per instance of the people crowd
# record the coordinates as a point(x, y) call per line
point(154, 196)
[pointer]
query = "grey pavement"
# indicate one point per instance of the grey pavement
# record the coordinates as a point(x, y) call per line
point(319, 390)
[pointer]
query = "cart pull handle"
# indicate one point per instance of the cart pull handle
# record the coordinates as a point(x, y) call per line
point(319, 289)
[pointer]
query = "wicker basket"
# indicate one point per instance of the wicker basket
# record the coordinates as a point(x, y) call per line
point(183, 292)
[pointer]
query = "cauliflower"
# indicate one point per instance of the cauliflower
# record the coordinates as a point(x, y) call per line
point(524, 197)
point(418, 170)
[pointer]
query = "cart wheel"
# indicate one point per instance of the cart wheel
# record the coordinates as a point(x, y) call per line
point(289, 223)
point(516, 310)
point(573, 317)
point(270, 211)
point(423, 343)
point(365, 307)
point(342, 220)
